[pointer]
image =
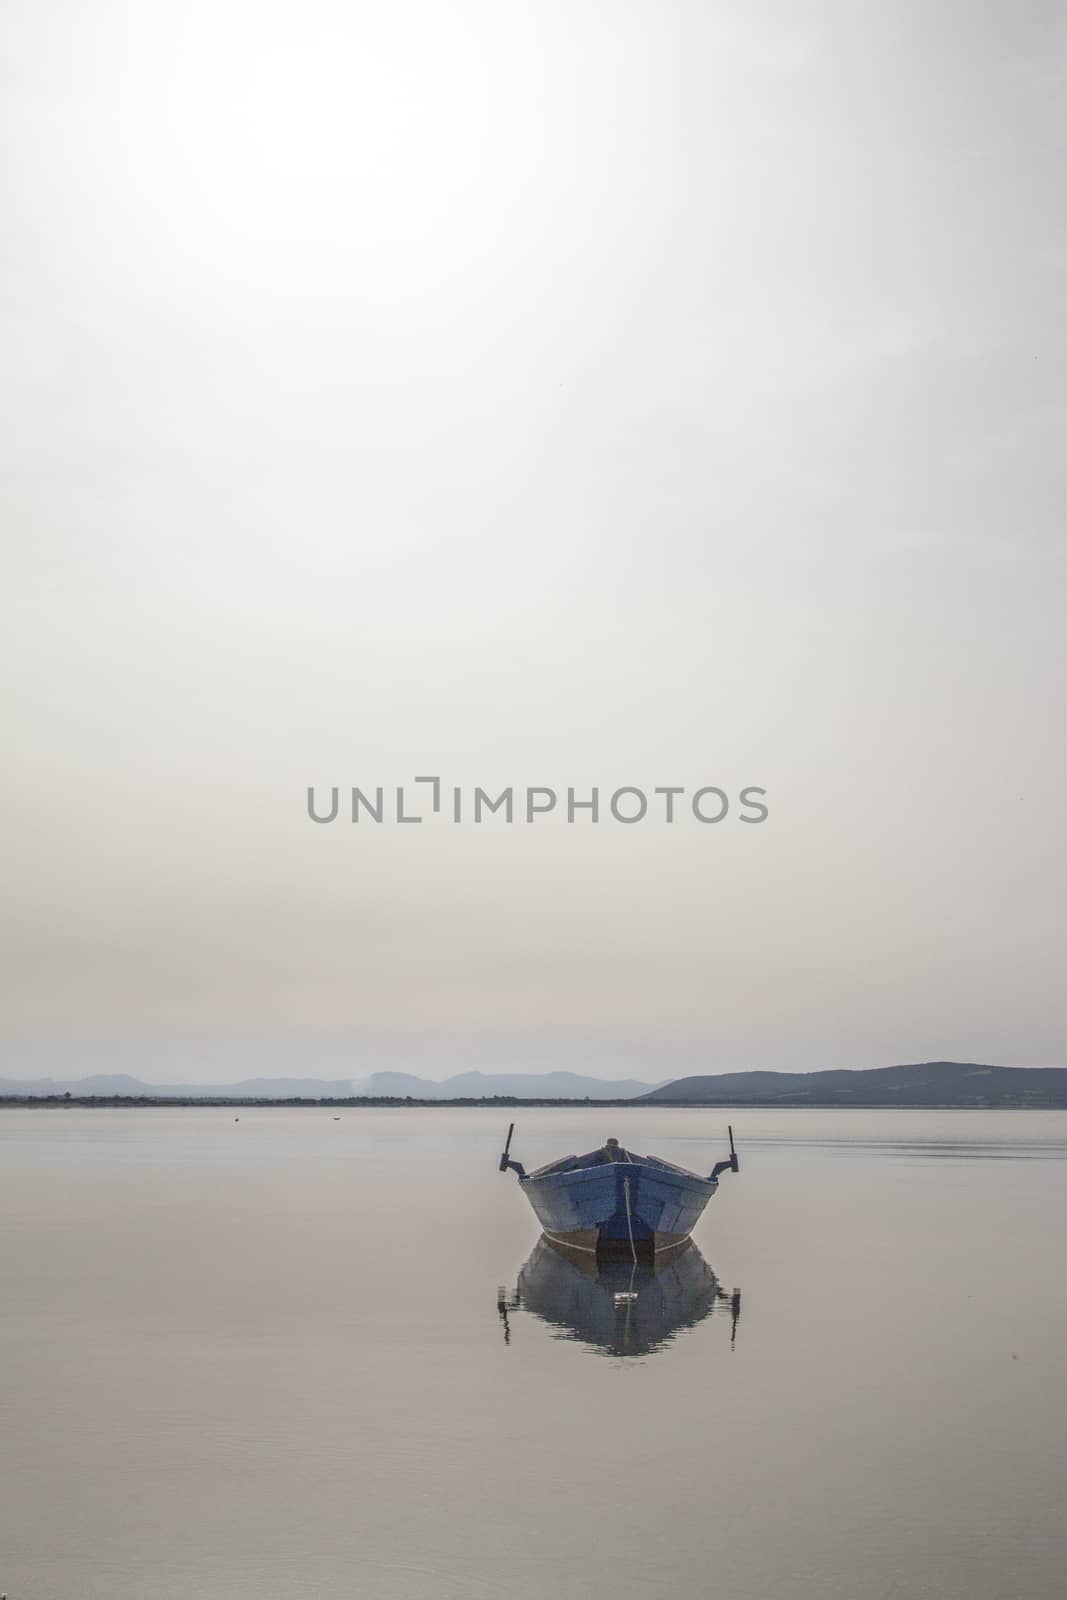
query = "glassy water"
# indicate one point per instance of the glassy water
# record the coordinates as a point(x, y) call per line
point(292, 1356)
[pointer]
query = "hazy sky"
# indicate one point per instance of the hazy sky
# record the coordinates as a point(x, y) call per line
point(563, 393)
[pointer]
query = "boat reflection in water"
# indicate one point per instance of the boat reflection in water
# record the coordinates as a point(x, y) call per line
point(618, 1308)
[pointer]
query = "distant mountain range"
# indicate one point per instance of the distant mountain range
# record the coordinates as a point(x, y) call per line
point(523, 1085)
point(379, 1085)
point(927, 1083)
point(120, 1083)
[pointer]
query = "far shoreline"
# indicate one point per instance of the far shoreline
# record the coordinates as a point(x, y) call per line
point(506, 1102)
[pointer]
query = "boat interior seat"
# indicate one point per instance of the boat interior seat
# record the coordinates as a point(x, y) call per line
point(567, 1164)
point(602, 1158)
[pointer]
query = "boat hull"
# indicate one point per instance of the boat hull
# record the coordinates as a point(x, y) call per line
point(610, 1207)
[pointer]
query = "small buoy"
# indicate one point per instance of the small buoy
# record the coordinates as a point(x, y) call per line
point(236, 1119)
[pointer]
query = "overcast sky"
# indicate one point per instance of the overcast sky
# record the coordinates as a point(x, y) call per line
point(570, 393)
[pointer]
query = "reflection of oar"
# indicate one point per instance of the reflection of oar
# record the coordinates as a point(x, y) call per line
point(503, 1305)
point(735, 1312)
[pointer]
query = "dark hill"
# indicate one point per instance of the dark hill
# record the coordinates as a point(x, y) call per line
point(926, 1083)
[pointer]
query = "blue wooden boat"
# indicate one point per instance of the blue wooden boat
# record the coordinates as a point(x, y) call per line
point(613, 1201)
point(617, 1307)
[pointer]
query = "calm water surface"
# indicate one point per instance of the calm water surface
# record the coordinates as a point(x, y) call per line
point(297, 1357)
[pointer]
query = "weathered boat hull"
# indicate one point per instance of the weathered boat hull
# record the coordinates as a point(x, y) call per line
point(608, 1208)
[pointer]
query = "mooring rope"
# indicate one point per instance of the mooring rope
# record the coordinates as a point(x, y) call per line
point(629, 1224)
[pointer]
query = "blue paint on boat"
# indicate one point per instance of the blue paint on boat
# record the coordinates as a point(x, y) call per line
point(611, 1199)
